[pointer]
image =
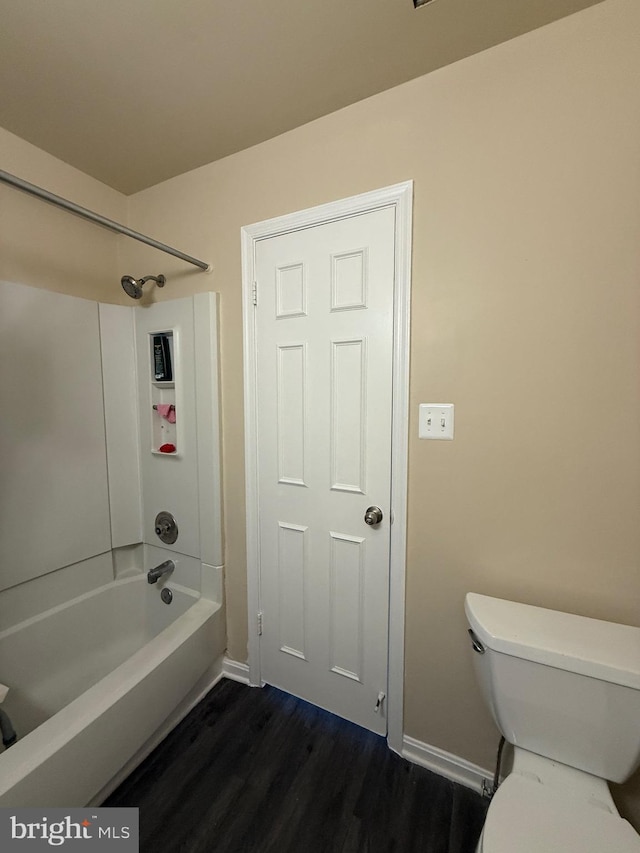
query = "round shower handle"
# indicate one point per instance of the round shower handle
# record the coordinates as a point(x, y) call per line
point(166, 527)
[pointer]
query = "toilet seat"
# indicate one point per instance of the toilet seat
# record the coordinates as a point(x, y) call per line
point(526, 816)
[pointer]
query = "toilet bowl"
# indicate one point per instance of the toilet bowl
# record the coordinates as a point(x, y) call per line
point(565, 692)
point(527, 817)
point(543, 809)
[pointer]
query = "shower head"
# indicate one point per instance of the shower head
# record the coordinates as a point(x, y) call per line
point(133, 287)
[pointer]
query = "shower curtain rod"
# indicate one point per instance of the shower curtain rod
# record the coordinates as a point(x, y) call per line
point(85, 213)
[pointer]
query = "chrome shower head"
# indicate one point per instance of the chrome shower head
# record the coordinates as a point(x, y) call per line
point(133, 287)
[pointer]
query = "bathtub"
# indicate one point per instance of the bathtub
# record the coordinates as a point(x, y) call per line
point(92, 680)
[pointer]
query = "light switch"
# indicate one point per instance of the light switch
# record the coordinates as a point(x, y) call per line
point(435, 420)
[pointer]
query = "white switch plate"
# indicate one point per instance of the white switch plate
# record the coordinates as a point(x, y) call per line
point(435, 420)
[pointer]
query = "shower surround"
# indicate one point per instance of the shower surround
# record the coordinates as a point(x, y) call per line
point(97, 665)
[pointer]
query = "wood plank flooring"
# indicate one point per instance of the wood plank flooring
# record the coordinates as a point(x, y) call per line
point(258, 771)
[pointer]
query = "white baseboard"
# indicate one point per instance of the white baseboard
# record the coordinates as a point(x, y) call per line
point(235, 670)
point(445, 763)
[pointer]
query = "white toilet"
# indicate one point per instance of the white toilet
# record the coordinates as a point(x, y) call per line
point(565, 691)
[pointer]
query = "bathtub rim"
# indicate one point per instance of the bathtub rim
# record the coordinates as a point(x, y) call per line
point(85, 596)
point(55, 733)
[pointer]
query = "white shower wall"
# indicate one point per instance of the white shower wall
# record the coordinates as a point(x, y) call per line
point(80, 488)
point(54, 507)
point(187, 483)
point(120, 387)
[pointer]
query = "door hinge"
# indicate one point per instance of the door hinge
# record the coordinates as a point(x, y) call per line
point(259, 623)
point(254, 293)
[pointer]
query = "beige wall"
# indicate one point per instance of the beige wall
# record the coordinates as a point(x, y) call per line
point(525, 314)
point(45, 247)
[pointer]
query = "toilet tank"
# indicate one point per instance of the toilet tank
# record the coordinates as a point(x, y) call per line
point(563, 686)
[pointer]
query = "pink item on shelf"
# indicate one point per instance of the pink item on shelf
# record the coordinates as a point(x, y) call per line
point(167, 411)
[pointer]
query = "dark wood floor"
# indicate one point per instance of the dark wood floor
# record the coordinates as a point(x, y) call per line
point(258, 771)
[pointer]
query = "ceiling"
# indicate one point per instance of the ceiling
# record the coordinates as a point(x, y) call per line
point(133, 92)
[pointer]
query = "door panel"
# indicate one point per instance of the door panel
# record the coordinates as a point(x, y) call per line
point(324, 327)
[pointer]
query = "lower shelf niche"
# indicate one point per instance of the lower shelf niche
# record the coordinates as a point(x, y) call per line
point(164, 429)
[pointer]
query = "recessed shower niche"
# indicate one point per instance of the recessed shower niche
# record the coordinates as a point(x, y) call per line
point(164, 414)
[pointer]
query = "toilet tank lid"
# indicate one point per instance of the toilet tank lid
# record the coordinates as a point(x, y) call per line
point(590, 647)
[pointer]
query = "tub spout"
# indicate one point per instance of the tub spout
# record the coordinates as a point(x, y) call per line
point(162, 569)
point(9, 736)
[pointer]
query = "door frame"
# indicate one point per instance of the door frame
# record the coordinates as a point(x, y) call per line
point(399, 196)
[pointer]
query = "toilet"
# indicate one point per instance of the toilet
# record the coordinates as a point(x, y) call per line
point(564, 690)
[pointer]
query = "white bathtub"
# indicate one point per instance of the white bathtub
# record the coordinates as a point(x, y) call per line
point(92, 680)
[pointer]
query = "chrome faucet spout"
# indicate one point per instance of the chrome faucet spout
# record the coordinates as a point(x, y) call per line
point(163, 569)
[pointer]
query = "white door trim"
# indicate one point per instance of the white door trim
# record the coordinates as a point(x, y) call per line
point(399, 196)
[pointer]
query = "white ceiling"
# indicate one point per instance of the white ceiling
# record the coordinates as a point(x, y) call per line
point(135, 91)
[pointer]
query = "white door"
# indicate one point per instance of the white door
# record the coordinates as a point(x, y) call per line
point(324, 346)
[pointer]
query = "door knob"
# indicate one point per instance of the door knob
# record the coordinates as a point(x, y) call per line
point(373, 515)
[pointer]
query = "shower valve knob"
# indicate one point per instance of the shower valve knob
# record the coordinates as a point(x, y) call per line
point(166, 528)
